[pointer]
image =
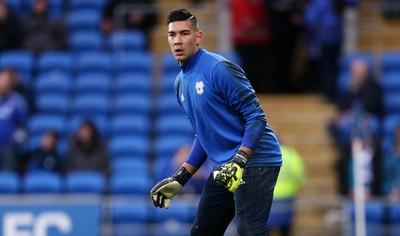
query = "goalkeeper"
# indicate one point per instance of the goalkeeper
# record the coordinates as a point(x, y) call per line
point(231, 130)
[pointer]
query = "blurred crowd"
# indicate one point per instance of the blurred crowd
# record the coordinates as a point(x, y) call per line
point(285, 46)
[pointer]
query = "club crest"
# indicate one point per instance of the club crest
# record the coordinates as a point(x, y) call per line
point(200, 88)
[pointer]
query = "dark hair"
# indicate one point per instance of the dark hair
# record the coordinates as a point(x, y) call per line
point(181, 15)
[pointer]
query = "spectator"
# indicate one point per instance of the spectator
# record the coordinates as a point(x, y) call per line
point(13, 115)
point(129, 14)
point(22, 89)
point(10, 28)
point(87, 150)
point(368, 159)
point(44, 157)
point(361, 126)
point(285, 20)
point(196, 183)
point(291, 178)
point(323, 20)
point(392, 167)
point(41, 33)
point(364, 89)
point(251, 38)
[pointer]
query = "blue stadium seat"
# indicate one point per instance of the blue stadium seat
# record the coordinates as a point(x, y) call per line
point(94, 62)
point(166, 145)
point(91, 105)
point(169, 64)
point(9, 182)
point(84, 20)
point(87, 4)
point(54, 61)
point(131, 218)
point(15, 5)
point(133, 83)
point(88, 182)
point(85, 41)
point(180, 214)
point(38, 124)
point(133, 62)
point(130, 125)
point(281, 214)
point(93, 83)
point(52, 104)
point(180, 211)
point(132, 105)
point(127, 40)
point(391, 103)
point(390, 123)
point(52, 83)
point(129, 145)
point(168, 104)
point(375, 216)
point(390, 61)
point(22, 61)
point(390, 81)
point(167, 83)
point(125, 183)
point(174, 125)
point(126, 212)
point(43, 183)
point(129, 164)
point(394, 219)
point(100, 121)
point(346, 59)
point(394, 213)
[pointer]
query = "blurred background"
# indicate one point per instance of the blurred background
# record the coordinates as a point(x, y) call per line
point(89, 121)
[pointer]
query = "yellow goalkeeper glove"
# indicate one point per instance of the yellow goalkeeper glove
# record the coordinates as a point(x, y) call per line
point(230, 174)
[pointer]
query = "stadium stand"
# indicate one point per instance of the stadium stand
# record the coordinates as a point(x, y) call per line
point(22, 61)
point(42, 183)
point(85, 41)
point(54, 61)
point(52, 83)
point(83, 20)
point(10, 182)
point(89, 182)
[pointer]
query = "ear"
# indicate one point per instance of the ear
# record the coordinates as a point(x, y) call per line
point(199, 37)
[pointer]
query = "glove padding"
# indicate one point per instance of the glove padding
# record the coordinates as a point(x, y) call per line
point(163, 192)
point(230, 174)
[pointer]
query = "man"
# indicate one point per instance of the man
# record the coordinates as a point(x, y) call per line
point(13, 116)
point(230, 127)
point(41, 32)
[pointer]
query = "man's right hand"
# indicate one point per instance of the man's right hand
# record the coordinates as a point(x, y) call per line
point(163, 192)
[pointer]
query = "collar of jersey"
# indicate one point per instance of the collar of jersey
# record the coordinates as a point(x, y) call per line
point(186, 68)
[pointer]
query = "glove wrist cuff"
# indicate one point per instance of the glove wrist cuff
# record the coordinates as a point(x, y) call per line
point(182, 176)
point(241, 158)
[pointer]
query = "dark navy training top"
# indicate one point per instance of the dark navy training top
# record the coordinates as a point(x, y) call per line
point(221, 105)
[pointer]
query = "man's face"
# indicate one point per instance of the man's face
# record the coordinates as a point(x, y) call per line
point(184, 40)
point(6, 83)
point(359, 71)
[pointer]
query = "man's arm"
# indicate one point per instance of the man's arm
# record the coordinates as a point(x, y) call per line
point(163, 192)
point(236, 89)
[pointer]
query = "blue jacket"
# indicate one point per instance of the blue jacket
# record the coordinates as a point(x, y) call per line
point(13, 115)
point(221, 105)
point(323, 22)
